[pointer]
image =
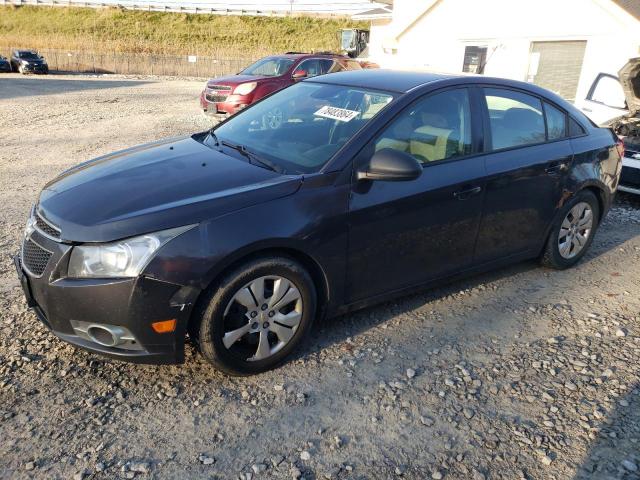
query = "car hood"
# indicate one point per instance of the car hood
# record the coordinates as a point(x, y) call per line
point(153, 187)
point(629, 76)
point(234, 80)
point(32, 61)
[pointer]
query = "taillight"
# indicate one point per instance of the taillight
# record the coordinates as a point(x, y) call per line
point(620, 147)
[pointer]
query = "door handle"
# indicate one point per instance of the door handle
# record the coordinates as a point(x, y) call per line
point(468, 193)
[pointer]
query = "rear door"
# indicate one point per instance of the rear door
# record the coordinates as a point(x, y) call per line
point(605, 100)
point(529, 154)
point(406, 233)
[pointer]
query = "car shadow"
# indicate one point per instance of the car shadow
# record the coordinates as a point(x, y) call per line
point(32, 86)
point(615, 452)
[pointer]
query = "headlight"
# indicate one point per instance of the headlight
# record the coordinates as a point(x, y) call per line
point(245, 88)
point(125, 258)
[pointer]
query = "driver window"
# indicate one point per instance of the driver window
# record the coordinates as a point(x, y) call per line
point(437, 127)
point(311, 66)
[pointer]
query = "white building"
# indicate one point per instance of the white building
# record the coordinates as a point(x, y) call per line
point(559, 44)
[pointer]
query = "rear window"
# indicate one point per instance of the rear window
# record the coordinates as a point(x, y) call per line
point(515, 118)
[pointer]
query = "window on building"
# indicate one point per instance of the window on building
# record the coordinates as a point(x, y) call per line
point(475, 59)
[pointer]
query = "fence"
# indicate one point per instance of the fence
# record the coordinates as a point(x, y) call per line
point(274, 8)
point(141, 64)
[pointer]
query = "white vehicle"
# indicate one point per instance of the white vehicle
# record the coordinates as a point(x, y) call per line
point(615, 101)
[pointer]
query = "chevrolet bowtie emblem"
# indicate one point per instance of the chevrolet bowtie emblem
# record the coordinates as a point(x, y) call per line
point(30, 228)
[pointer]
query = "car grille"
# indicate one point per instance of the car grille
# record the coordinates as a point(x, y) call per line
point(630, 177)
point(46, 228)
point(217, 93)
point(34, 257)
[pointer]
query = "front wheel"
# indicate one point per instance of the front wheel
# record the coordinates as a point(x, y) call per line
point(256, 316)
point(572, 232)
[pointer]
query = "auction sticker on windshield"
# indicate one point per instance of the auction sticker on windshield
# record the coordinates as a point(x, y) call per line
point(335, 113)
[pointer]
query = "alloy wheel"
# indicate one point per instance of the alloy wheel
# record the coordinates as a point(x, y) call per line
point(575, 230)
point(262, 317)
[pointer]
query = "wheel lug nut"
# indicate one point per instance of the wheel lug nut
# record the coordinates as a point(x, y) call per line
point(254, 325)
point(254, 314)
point(272, 313)
point(264, 306)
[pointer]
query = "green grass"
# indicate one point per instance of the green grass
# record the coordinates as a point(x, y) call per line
point(116, 30)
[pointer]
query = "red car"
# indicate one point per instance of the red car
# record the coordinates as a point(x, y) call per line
point(226, 95)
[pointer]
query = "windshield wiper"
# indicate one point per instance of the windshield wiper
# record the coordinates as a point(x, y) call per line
point(252, 157)
point(215, 139)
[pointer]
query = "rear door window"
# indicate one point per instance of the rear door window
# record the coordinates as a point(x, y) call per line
point(311, 66)
point(515, 118)
point(330, 66)
point(556, 122)
point(575, 129)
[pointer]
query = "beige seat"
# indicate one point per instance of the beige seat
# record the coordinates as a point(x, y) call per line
point(396, 144)
point(398, 136)
point(430, 143)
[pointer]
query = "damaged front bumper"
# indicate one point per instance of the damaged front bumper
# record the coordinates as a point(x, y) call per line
point(112, 317)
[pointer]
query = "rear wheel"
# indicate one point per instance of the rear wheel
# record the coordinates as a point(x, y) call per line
point(572, 232)
point(257, 316)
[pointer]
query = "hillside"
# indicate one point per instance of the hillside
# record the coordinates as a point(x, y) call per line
point(116, 30)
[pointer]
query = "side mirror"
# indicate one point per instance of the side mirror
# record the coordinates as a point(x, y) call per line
point(390, 165)
point(298, 74)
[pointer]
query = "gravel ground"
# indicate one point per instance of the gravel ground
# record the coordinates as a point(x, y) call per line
point(521, 373)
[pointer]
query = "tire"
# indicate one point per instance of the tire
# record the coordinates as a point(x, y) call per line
point(266, 339)
point(559, 254)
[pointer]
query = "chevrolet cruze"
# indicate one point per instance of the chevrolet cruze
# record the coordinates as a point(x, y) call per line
point(375, 184)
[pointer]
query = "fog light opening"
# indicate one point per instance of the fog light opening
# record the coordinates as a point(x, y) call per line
point(103, 336)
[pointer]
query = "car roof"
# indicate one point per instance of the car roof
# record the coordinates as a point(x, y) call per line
point(304, 55)
point(382, 79)
point(25, 51)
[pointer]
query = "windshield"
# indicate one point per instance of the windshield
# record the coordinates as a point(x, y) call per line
point(28, 55)
point(269, 67)
point(301, 127)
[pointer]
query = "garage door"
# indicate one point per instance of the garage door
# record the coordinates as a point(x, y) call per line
point(558, 66)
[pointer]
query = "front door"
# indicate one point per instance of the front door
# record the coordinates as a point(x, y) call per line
point(605, 101)
point(406, 233)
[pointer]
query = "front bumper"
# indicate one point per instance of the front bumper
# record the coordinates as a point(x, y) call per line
point(232, 104)
point(35, 68)
point(131, 303)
